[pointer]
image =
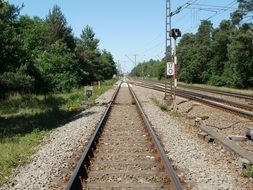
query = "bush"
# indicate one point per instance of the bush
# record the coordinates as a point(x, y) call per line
point(59, 68)
point(217, 81)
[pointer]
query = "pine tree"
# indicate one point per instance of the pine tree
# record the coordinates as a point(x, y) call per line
point(89, 56)
point(57, 29)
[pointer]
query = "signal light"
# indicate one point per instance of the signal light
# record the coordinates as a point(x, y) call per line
point(175, 33)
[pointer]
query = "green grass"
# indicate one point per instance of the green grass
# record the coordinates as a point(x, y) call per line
point(160, 104)
point(165, 108)
point(248, 170)
point(176, 114)
point(16, 150)
point(26, 119)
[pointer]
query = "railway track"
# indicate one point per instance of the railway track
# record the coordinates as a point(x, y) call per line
point(229, 106)
point(124, 151)
point(231, 94)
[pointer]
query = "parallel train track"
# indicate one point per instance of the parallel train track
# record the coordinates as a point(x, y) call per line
point(124, 151)
point(248, 98)
point(243, 110)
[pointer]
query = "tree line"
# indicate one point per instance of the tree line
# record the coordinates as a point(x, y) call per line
point(221, 56)
point(42, 55)
point(149, 69)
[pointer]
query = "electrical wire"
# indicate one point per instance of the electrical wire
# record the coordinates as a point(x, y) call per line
point(182, 7)
point(213, 6)
point(229, 6)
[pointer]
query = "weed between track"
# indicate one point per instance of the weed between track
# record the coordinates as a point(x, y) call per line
point(165, 108)
point(248, 170)
point(26, 119)
point(160, 104)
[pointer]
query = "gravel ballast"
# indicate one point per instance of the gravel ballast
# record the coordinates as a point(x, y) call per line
point(199, 164)
point(124, 157)
point(59, 152)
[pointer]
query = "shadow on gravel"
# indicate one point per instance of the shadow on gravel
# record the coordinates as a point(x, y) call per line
point(83, 114)
point(45, 114)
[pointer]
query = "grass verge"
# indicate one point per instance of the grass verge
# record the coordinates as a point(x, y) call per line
point(26, 119)
point(248, 170)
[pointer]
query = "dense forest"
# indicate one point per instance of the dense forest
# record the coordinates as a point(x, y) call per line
point(42, 55)
point(150, 69)
point(221, 56)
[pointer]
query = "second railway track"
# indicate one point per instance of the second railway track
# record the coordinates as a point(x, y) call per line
point(233, 107)
point(127, 154)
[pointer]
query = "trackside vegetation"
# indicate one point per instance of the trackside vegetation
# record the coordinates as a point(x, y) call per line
point(248, 170)
point(43, 69)
point(26, 119)
point(221, 56)
point(41, 55)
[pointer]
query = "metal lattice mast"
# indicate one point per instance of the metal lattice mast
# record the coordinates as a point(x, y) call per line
point(168, 43)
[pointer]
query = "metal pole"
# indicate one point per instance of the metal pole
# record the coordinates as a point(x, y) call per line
point(170, 45)
point(166, 48)
point(168, 42)
point(166, 19)
point(175, 74)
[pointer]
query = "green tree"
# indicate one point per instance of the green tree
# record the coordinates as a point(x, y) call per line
point(195, 53)
point(32, 30)
point(218, 56)
point(43, 55)
point(13, 61)
point(57, 29)
point(108, 65)
point(222, 37)
point(204, 52)
point(243, 13)
point(89, 56)
point(186, 53)
point(239, 71)
point(246, 8)
point(151, 69)
point(59, 68)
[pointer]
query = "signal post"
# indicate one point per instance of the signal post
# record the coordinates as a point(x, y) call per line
point(171, 67)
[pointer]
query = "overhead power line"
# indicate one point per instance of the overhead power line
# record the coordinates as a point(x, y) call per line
point(182, 7)
point(204, 9)
point(133, 61)
point(212, 8)
point(229, 6)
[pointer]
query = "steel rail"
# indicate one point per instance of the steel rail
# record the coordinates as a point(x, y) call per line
point(243, 113)
point(167, 165)
point(232, 94)
point(235, 104)
point(80, 173)
point(194, 94)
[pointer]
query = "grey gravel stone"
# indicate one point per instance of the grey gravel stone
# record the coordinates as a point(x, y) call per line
point(242, 162)
point(202, 135)
point(249, 133)
point(203, 165)
point(58, 151)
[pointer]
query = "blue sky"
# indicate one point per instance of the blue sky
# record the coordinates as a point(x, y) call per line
point(128, 27)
